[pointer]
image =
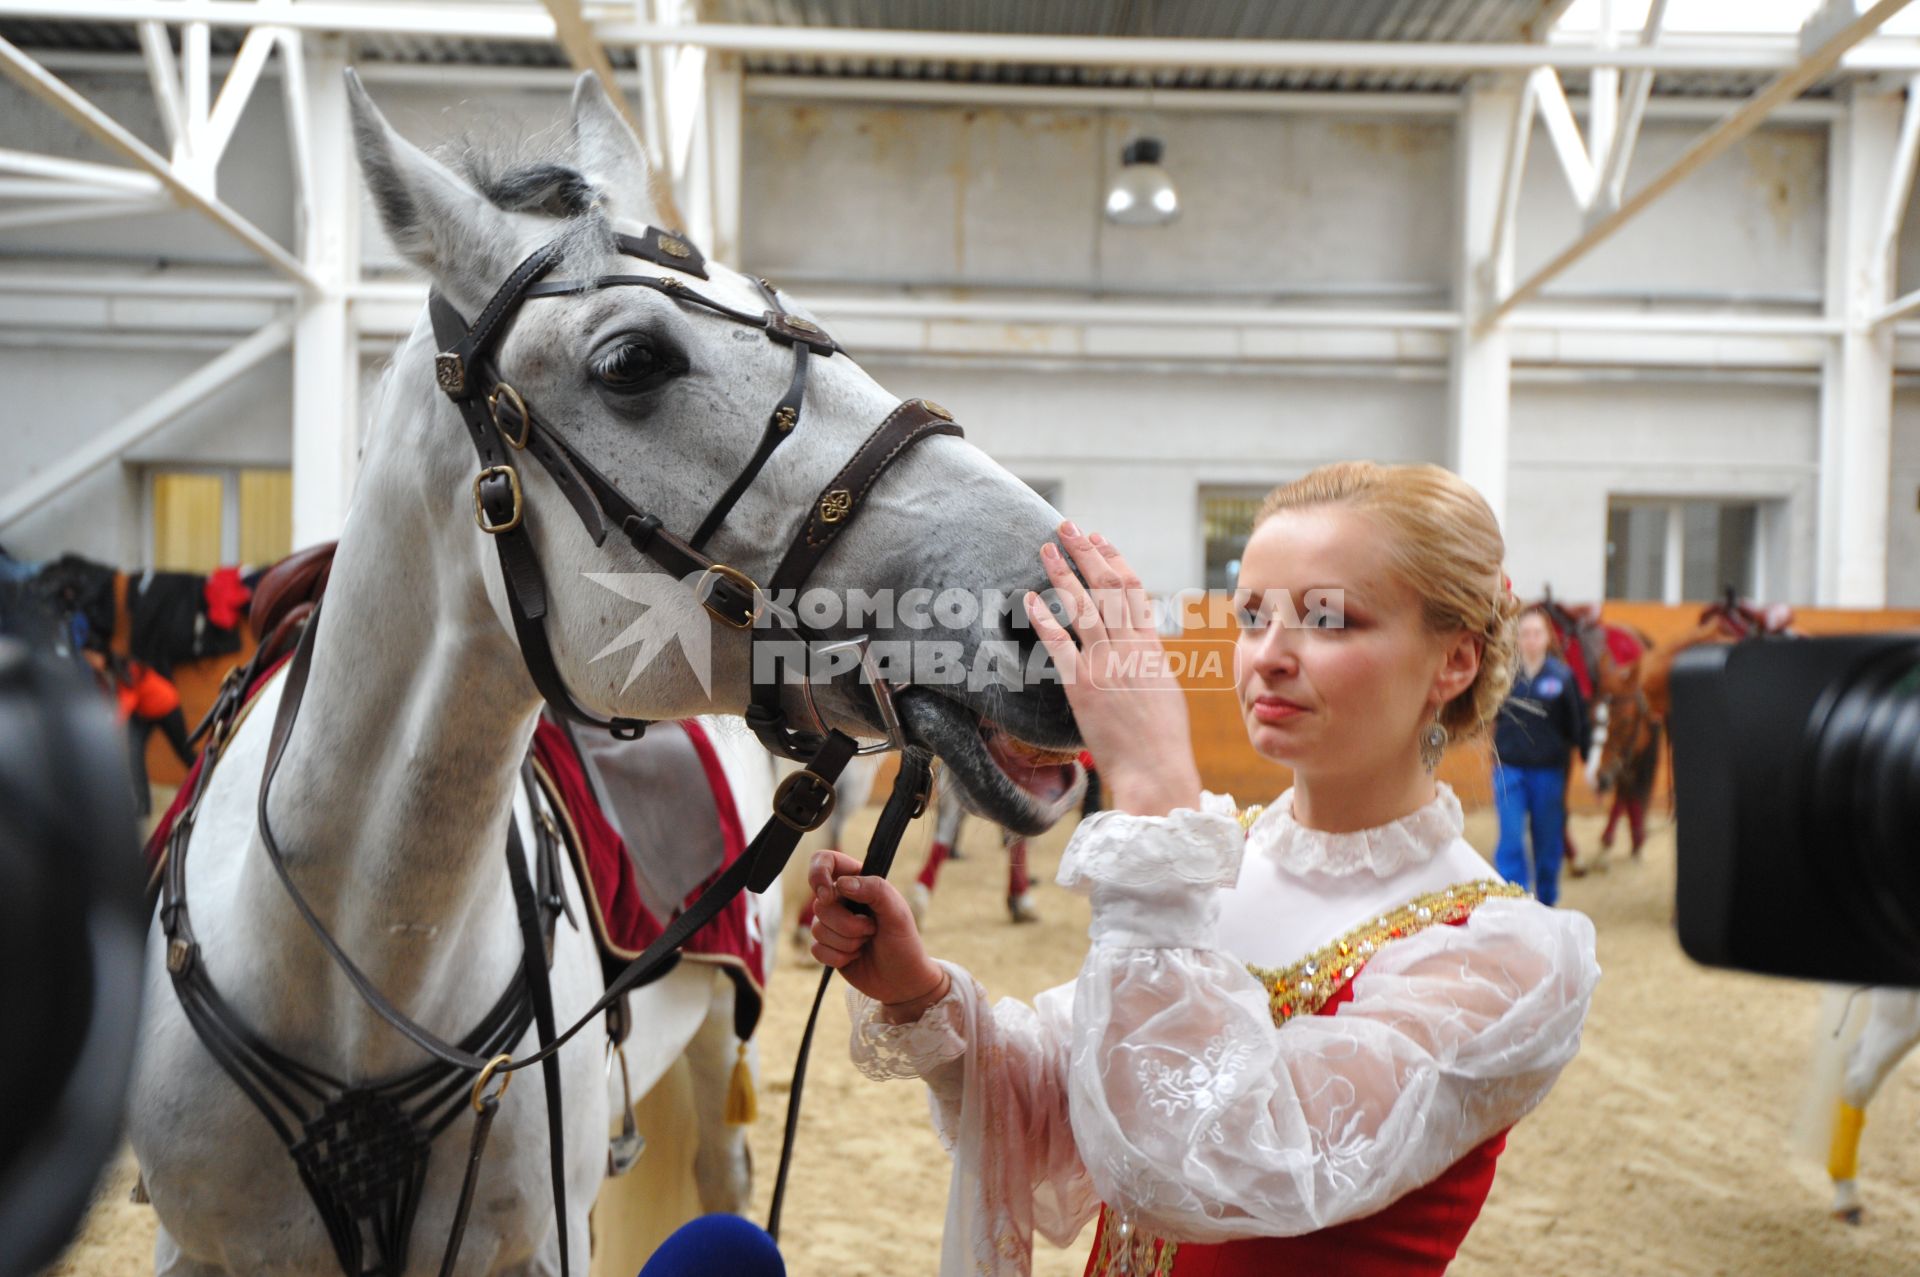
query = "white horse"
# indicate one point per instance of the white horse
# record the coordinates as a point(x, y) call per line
point(396, 785)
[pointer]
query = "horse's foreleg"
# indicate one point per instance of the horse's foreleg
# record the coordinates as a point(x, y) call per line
point(169, 1261)
point(1019, 886)
point(722, 1169)
point(949, 815)
point(1614, 810)
point(1893, 1027)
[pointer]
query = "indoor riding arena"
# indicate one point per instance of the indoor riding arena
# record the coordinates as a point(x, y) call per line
point(1181, 638)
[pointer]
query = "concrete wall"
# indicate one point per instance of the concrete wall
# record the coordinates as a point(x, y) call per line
point(1575, 445)
point(1348, 211)
point(54, 397)
point(948, 195)
point(1130, 451)
point(1751, 224)
point(1903, 541)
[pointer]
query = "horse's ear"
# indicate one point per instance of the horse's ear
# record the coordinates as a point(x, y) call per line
point(610, 156)
point(434, 218)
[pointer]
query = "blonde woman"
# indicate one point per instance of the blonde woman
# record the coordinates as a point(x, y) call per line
point(1301, 1034)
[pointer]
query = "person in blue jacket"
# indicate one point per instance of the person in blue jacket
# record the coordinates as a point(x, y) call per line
point(1541, 724)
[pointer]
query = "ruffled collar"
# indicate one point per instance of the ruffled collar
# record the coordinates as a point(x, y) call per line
point(1383, 850)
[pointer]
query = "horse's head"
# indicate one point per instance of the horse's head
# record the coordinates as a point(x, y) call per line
point(694, 394)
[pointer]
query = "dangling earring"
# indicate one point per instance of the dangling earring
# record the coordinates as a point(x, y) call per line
point(1433, 743)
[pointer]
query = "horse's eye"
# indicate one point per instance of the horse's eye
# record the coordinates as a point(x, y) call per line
point(629, 365)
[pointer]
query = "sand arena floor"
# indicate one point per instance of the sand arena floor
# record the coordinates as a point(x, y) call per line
point(1662, 1151)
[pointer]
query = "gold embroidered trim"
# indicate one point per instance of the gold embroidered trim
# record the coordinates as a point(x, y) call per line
point(1124, 1251)
point(1247, 817)
point(1305, 986)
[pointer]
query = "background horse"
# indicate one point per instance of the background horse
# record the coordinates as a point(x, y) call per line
point(1601, 655)
point(949, 816)
point(398, 779)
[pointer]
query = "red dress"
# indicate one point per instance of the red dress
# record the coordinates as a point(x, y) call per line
point(1416, 1236)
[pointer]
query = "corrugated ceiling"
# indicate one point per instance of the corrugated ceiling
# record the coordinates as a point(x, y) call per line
point(1458, 21)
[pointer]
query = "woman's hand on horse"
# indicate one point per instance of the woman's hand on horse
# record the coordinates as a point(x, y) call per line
point(882, 955)
point(1131, 710)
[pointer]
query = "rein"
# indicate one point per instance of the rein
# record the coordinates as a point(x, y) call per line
point(502, 427)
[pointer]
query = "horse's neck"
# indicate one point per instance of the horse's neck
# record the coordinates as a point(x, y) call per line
point(1656, 675)
point(393, 796)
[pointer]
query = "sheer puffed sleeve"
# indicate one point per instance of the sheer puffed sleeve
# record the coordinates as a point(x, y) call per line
point(1198, 1119)
point(997, 1078)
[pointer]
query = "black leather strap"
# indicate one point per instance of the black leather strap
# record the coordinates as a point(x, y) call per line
point(757, 867)
point(533, 961)
point(500, 498)
point(839, 503)
point(665, 248)
point(487, 1109)
point(912, 789)
point(781, 422)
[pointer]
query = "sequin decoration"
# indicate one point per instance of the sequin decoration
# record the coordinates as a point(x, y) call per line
point(1307, 985)
point(1123, 1250)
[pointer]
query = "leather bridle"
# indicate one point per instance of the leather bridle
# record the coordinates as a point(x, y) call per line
point(504, 428)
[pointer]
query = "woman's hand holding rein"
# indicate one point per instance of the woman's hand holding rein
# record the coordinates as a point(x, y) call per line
point(882, 955)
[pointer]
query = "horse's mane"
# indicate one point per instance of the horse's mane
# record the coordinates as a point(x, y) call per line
point(542, 186)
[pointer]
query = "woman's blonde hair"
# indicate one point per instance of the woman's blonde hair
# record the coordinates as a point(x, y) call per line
point(1445, 544)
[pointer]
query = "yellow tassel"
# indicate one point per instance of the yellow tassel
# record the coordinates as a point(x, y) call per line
point(1843, 1160)
point(742, 1108)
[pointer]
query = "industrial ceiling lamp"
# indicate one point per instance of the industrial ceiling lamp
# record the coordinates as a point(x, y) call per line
point(1142, 193)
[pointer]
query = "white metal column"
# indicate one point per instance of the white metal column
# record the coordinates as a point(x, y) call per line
point(726, 89)
point(1495, 114)
point(1856, 398)
point(326, 359)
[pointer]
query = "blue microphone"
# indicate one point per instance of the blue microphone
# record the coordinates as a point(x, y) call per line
point(717, 1246)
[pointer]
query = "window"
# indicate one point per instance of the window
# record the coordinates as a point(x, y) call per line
point(1669, 551)
point(202, 517)
point(1226, 521)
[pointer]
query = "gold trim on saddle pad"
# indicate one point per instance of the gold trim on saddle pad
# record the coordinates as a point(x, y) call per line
point(569, 834)
point(1305, 986)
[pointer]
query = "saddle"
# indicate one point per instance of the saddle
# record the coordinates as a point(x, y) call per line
point(1744, 618)
point(286, 594)
point(641, 863)
point(283, 599)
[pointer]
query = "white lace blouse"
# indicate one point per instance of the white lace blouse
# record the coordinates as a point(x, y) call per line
point(1157, 1081)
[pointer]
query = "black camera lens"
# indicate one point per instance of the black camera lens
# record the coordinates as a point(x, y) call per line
point(1863, 782)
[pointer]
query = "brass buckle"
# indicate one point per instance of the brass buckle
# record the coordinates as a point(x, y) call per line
point(826, 808)
point(486, 1076)
point(519, 405)
point(480, 511)
point(703, 591)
